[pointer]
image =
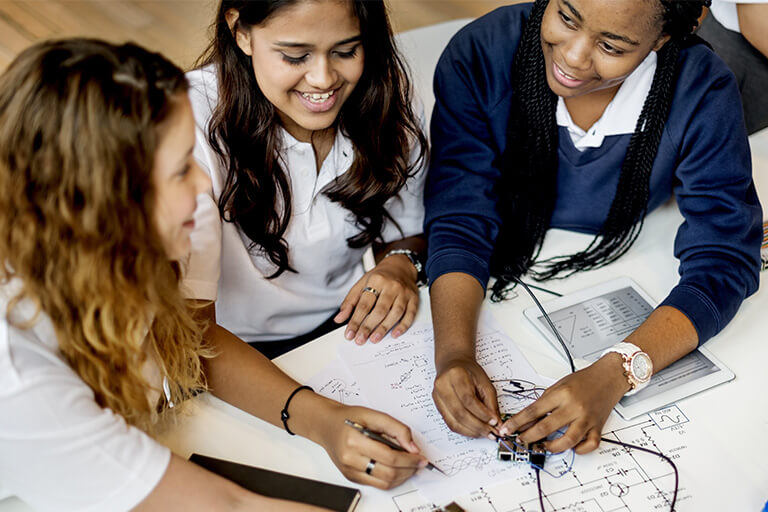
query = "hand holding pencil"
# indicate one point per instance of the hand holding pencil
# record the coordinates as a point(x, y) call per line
point(382, 439)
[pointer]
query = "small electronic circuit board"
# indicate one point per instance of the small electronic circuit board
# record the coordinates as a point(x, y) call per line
point(511, 449)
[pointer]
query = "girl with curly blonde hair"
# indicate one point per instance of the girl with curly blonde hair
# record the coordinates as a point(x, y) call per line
point(98, 187)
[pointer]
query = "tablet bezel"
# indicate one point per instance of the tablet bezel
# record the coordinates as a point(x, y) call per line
point(662, 399)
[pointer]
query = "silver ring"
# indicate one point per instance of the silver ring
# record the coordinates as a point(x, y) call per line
point(372, 290)
point(369, 467)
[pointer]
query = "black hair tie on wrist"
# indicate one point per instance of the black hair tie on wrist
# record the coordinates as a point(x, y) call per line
point(284, 413)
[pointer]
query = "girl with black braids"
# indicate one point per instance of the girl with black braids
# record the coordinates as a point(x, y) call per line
point(307, 129)
point(582, 115)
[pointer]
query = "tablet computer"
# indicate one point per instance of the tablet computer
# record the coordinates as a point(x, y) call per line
point(591, 320)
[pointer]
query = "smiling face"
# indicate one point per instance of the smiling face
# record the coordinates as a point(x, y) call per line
point(177, 179)
point(594, 45)
point(307, 58)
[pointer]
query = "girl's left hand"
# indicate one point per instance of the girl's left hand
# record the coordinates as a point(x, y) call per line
point(581, 402)
point(385, 297)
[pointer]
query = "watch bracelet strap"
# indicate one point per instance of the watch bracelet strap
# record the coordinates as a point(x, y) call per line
point(617, 348)
point(413, 256)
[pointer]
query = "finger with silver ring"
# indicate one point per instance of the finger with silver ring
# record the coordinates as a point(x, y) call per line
point(369, 467)
point(372, 290)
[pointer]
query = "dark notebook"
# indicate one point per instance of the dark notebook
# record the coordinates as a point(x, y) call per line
point(279, 485)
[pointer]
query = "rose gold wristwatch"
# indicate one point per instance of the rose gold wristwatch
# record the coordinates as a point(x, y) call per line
point(638, 367)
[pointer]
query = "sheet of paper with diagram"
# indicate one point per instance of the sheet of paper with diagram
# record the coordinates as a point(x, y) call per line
point(396, 376)
point(335, 382)
point(613, 478)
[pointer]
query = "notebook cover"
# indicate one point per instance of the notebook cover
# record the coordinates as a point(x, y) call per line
point(279, 485)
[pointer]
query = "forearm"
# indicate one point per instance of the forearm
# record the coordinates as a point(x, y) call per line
point(456, 299)
point(243, 377)
point(666, 336)
point(753, 22)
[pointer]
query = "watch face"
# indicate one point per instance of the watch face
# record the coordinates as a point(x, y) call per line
point(642, 367)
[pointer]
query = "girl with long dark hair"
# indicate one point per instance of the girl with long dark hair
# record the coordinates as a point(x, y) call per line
point(583, 115)
point(308, 132)
point(98, 346)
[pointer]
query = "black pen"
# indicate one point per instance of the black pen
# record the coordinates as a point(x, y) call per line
point(380, 438)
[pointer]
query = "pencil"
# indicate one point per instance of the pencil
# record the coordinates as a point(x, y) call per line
point(380, 438)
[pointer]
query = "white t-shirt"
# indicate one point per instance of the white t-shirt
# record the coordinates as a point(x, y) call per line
point(621, 114)
point(59, 450)
point(725, 12)
point(222, 269)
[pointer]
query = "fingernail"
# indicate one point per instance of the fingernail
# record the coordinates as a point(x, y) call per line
point(504, 431)
point(491, 437)
point(376, 338)
point(395, 334)
point(349, 334)
point(360, 339)
point(493, 422)
point(423, 463)
point(337, 318)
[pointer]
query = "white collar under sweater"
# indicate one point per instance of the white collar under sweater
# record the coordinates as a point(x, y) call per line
point(621, 114)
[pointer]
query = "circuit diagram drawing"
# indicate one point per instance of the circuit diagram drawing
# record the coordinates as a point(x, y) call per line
point(612, 478)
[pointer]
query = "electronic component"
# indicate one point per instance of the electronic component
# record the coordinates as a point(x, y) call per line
point(511, 449)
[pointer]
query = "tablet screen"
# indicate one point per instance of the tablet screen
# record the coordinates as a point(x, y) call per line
point(594, 319)
point(591, 326)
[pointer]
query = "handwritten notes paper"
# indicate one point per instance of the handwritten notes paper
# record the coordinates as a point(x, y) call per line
point(396, 376)
point(335, 382)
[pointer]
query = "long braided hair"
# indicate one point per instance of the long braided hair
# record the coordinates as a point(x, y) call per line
point(244, 131)
point(527, 186)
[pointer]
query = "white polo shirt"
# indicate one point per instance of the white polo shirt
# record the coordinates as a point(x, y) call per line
point(59, 450)
point(725, 12)
point(621, 114)
point(222, 268)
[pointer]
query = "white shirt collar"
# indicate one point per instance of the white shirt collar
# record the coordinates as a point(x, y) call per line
point(340, 157)
point(621, 114)
point(299, 160)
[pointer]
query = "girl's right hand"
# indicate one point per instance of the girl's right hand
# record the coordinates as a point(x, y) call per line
point(352, 451)
point(466, 398)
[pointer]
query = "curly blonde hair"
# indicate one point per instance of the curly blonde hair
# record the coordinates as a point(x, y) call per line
point(80, 122)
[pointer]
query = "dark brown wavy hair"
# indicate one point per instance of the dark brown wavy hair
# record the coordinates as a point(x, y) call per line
point(80, 121)
point(377, 117)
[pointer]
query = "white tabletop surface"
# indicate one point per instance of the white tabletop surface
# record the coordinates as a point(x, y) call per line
point(736, 413)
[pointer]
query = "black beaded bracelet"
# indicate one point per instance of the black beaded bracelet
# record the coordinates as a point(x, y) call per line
point(284, 413)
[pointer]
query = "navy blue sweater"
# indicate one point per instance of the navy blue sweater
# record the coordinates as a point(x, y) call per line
point(703, 159)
